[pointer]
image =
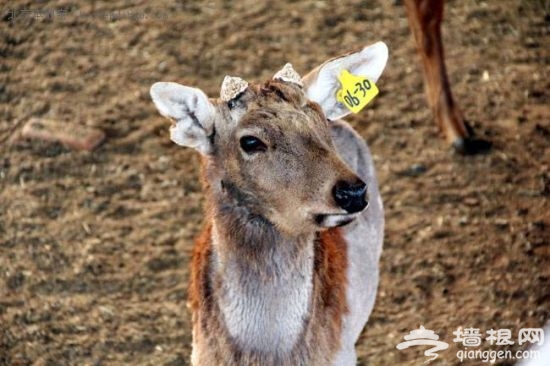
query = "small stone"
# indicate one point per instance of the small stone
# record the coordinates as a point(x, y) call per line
point(471, 201)
point(162, 66)
point(414, 170)
point(73, 137)
point(106, 311)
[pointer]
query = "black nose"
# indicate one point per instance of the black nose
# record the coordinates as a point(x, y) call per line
point(352, 197)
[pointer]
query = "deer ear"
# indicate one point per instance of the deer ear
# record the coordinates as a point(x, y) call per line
point(192, 112)
point(322, 83)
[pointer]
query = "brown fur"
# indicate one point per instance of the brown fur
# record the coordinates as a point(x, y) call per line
point(297, 131)
point(265, 203)
point(425, 18)
point(198, 286)
point(269, 271)
point(330, 267)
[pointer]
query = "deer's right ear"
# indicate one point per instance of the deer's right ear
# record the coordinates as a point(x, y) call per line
point(192, 112)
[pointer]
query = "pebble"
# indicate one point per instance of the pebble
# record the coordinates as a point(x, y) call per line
point(414, 170)
point(74, 137)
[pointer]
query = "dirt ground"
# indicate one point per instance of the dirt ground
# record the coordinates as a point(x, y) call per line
point(94, 247)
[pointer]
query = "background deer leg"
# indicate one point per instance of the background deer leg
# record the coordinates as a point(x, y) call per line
point(425, 21)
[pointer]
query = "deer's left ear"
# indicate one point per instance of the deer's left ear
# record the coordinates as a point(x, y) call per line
point(322, 83)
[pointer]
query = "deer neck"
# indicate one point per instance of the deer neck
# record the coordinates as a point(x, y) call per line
point(263, 280)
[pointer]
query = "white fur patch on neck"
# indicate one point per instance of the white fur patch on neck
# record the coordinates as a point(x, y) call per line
point(288, 74)
point(231, 87)
point(266, 314)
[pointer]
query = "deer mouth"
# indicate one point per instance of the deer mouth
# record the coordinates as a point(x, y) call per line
point(334, 220)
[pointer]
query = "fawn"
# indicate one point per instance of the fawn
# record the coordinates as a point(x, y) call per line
point(285, 271)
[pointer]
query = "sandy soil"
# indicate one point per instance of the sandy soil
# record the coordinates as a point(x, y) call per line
point(94, 247)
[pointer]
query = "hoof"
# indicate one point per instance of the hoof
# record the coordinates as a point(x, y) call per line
point(471, 146)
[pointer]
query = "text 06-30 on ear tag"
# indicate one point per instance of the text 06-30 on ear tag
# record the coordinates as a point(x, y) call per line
point(357, 91)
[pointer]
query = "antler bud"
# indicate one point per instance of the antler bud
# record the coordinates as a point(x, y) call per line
point(231, 87)
point(287, 73)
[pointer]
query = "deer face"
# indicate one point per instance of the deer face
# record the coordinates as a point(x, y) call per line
point(269, 147)
point(273, 153)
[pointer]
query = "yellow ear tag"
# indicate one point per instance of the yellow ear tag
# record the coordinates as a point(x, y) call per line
point(357, 91)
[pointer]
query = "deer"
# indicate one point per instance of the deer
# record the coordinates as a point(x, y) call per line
point(286, 268)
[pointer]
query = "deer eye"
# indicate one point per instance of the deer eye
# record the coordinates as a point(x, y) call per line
point(251, 144)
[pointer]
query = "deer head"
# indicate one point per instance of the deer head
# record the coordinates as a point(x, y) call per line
point(268, 147)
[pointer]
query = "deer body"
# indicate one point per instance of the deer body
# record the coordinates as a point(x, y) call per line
point(264, 302)
point(286, 269)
